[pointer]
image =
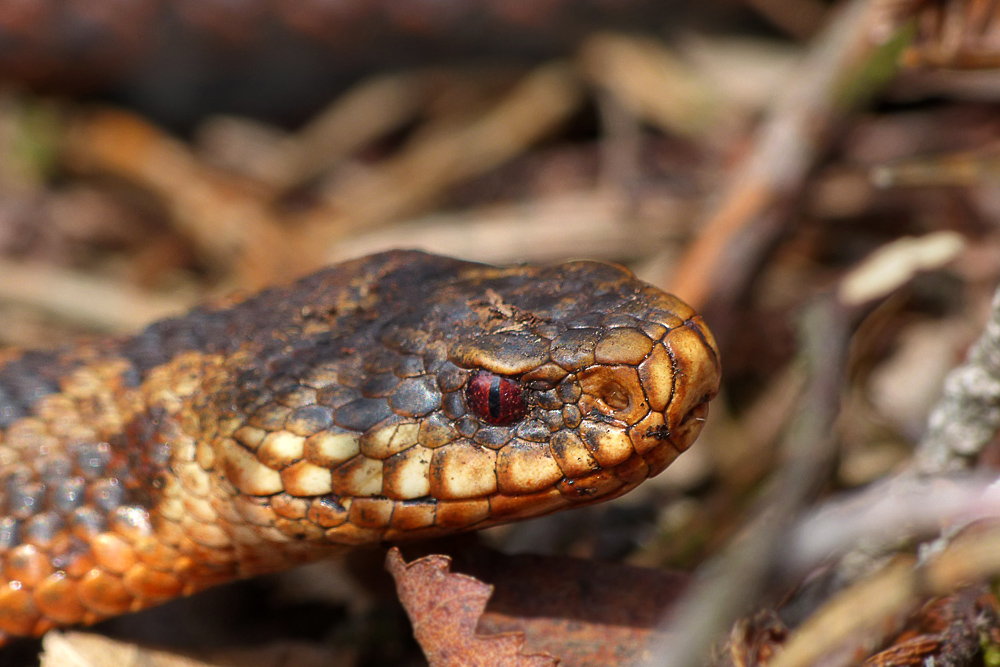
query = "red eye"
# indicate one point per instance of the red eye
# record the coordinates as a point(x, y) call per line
point(494, 399)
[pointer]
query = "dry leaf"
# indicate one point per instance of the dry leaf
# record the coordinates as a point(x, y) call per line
point(588, 613)
point(895, 263)
point(445, 608)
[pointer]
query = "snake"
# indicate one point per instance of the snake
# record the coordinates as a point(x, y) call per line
point(395, 397)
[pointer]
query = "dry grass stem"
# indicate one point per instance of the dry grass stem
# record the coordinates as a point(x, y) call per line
point(103, 304)
point(417, 176)
point(785, 147)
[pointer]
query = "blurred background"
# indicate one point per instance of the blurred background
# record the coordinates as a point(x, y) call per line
point(754, 156)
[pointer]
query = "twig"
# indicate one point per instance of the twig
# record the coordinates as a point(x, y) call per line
point(360, 115)
point(651, 83)
point(892, 511)
point(786, 147)
point(863, 608)
point(728, 584)
point(603, 227)
point(415, 177)
point(230, 223)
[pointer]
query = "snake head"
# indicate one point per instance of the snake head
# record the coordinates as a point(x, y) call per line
point(424, 395)
point(580, 381)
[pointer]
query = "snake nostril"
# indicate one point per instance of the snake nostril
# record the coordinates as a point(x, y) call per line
point(615, 396)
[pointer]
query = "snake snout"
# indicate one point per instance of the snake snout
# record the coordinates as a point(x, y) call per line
point(678, 378)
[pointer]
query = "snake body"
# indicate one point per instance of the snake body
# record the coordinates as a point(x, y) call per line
point(393, 397)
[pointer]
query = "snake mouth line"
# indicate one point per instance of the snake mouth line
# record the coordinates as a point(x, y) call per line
point(661, 432)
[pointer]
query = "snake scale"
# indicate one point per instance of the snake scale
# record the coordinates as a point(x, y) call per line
point(393, 397)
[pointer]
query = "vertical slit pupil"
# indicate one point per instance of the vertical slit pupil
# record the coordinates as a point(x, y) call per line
point(494, 399)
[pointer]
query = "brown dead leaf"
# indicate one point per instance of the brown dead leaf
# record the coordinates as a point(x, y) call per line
point(444, 609)
point(587, 613)
point(946, 631)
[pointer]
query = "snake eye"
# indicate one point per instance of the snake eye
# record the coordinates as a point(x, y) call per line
point(494, 399)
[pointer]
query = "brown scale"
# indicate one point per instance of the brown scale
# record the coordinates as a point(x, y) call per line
point(355, 406)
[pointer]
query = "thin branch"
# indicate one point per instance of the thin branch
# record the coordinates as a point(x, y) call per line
point(785, 148)
point(729, 584)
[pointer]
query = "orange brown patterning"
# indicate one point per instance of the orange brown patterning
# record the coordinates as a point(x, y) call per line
point(394, 397)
